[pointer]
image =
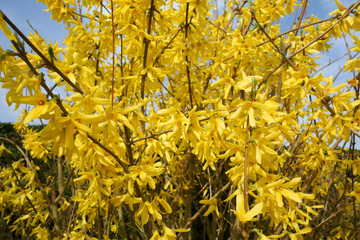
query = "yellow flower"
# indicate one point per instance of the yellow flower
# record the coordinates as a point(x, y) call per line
point(279, 189)
point(4, 149)
point(6, 30)
point(212, 206)
point(356, 192)
point(240, 212)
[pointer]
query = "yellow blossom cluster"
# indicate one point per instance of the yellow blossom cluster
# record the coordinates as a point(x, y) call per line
point(180, 121)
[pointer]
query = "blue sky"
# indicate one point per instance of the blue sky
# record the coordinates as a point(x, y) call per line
point(19, 11)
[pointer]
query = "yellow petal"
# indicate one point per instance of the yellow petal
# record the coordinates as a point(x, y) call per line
point(305, 230)
point(258, 105)
point(236, 192)
point(131, 186)
point(210, 210)
point(69, 135)
point(31, 100)
point(181, 230)
point(293, 181)
point(6, 29)
point(278, 197)
point(169, 233)
point(291, 195)
point(236, 114)
point(144, 216)
point(165, 111)
point(251, 117)
point(339, 5)
point(275, 184)
point(125, 121)
point(254, 211)
point(81, 126)
point(34, 113)
point(165, 205)
point(227, 90)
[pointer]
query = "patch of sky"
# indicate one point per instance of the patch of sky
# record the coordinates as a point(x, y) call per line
point(321, 9)
point(21, 13)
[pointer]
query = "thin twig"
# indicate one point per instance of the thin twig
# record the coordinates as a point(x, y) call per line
point(292, 30)
point(246, 165)
point(329, 64)
point(146, 49)
point(109, 152)
point(355, 132)
point(113, 54)
point(67, 183)
point(27, 160)
point(329, 218)
point(167, 46)
point(215, 25)
point(216, 9)
point(186, 57)
point(151, 136)
point(301, 17)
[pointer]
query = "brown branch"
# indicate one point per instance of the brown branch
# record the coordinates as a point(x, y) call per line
point(216, 10)
point(355, 132)
point(331, 181)
point(109, 152)
point(217, 26)
point(167, 46)
point(38, 52)
point(271, 73)
point(60, 174)
point(301, 17)
point(245, 189)
point(326, 105)
point(151, 136)
point(63, 190)
point(227, 25)
point(234, 12)
point(165, 88)
point(113, 54)
point(26, 158)
point(329, 64)
point(309, 180)
point(127, 142)
point(246, 30)
point(186, 57)
point(24, 58)
point(310, 43)
point(281, 51)
point(329, 218)
point(22, 55)
point(202, 209)
point(327, 30)
point(146, 49)
point(292, 30)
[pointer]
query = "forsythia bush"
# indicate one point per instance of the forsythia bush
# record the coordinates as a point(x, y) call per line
point(181, 120)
